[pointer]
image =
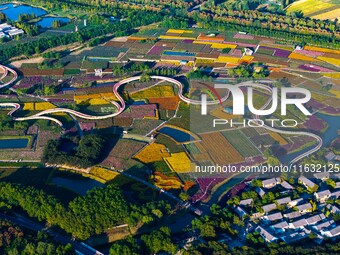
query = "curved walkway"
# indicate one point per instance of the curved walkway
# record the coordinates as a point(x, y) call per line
point(121, 106)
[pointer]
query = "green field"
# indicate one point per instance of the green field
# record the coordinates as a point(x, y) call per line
point(241, 143)
point(319, 9)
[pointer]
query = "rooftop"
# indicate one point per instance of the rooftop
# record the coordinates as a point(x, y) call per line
point(286, 185)
point(306, 182)
point(284, 200)
point(269, 207)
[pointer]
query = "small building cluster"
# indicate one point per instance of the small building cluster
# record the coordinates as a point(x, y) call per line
point(292, 215)
point(9, 31)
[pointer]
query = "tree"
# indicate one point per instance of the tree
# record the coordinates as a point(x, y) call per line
point(184, 196)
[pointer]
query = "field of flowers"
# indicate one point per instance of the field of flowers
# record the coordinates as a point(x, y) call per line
point(314, 48)
point(278, 138)
point(38, 106)
point(153, 152)
point(165, 103)
point(102, 175)
point(315, 124)
point(205, 185)
point(333, 61)
point(178, 162)
point(164, 182)
point(155, 91)
point(95, 99)
point(241, 143)
point(314, 68)
point(227, 59)
point(220, 150)
point(298, 56)
point(144, 126)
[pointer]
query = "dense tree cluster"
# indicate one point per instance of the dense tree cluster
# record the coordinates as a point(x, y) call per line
point(155, 242)
point(15, 241)
point(84, 154)
point(88, 215)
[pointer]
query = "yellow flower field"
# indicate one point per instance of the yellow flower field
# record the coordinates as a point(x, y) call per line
point(155, 91)
point(95, 99)
point(28, 106)
point(153, 152)
point(101, 174)
point(247, 58)
point(277, 137)
point(226, 59)
point(308, 7)
point(332, 61)
point(332, 75)
point(174, 37)
point(178, 31)
point(38, 106)
point(314, 48)
point(178, 162)
point(164, 182)
point(335, 92)
point(215, 45)
point(298, 56)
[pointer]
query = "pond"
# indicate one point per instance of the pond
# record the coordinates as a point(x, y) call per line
point(12, 11)
point(48, 21)
point(80, 186)
point(13, 143)
point(177, 135)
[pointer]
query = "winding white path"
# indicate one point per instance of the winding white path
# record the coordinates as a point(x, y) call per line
point(121, 106)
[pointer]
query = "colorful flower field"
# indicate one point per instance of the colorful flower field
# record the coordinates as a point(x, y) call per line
point(243, 36)
point(165, 182)
point(178, 162)
point(155, 91)
point(38, 106)
point(140, 111)
point(314, 123)
point(220, 150)
point(277, 137)
point(310, 53)
point(333, 61)
point(153, 152)
point(165, 103)
point(298, 56)
point(313, 48)
point(314, 68)
point(205, 185)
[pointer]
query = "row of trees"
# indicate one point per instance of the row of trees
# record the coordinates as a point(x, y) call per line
point(85, 216)
point(42, 44)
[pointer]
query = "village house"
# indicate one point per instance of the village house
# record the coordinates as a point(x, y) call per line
point(304, 208)
point(323, 225)
point(269, 207)
point(292, 215)
point(295, 202)
point(280, 227)
point(284, 200)
point(260, 192)
point(270, 183)
point(246, 202)
point(332, 233)
point(322, 176)
point(273, 217)
point(299, 224)
point(268, 237)
point(315, 219)
point(306, 182)
point(322, 196)
point(286, 185)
